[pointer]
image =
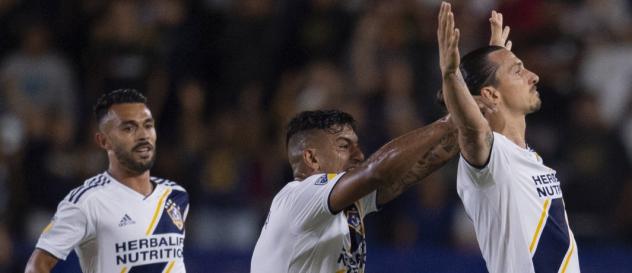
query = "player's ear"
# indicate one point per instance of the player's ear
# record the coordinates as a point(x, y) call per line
point(101, 139)
point(310, 160)
point(491, 93)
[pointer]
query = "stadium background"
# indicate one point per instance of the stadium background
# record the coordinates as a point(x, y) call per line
point(224, 76)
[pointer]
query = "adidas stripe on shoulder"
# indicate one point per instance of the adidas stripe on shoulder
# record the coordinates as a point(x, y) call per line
point(95, 182)
point(168, 183)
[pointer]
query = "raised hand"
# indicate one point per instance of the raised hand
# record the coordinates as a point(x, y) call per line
point(448, 38)
point(499, 34)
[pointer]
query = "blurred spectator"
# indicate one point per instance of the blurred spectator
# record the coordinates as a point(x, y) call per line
point(4, 186)
point(247, 44)
point(188, 135)
point(38, 81)
point(7, 17)
point(324, 87)
point(124, 53)
point(320, 84)
point(321, 30)
point(39, 86)
point(192, 120)
point(598, 22)
point(523, 16)
point(399, 109)
point(594, 171)
point(626, 127)
point(264, 162)
point(225, 219)
point(605, 28)
point(6, 249)
point(611, 89)
point(623, 220)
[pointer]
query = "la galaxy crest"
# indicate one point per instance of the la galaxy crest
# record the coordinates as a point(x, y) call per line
point(325, 178)
point(322, 180)
point(173, 210)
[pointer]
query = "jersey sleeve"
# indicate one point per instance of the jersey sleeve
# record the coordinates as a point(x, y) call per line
point(312, 199)
point(69, 227)
point(497, 159)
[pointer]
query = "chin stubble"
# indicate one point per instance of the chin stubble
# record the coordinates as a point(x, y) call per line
point(126, 159)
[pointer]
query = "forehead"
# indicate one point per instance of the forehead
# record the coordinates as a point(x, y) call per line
point(343, 131)
point(128, 112)
point(504, 58)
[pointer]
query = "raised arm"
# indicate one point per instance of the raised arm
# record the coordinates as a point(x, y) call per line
point(408, 159)
point(424, 163)
point(40, 262)
point(398, 165)
point(474, 133)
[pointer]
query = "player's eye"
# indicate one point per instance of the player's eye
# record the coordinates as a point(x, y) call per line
point(343, 144)
point(520, 69)
point(128, 128)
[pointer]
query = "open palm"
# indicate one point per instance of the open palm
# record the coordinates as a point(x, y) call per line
point(448, 38)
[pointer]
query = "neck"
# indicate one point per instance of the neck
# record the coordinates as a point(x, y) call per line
point(301, 175)
point(514, 129)
point(300, 171)
point(137, 182)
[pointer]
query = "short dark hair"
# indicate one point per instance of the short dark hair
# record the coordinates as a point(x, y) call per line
point(318, 119)
point(477, 70)
point(116, 97)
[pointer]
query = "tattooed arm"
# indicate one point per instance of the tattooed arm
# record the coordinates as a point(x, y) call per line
point(397, 165)
point(440, 152)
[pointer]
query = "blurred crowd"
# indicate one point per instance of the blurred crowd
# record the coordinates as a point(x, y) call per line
point(223, 77)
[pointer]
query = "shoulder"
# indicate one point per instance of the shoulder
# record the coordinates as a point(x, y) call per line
point(321, 179)
point(168, 183)
point(317, 183)
point(498, 164)
point(89, 187)
point(501, 140)
point(500, 144)
point(313, 181)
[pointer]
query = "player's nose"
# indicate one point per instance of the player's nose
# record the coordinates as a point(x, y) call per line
point(358, 155)
point(534, 78)
point(142, 134)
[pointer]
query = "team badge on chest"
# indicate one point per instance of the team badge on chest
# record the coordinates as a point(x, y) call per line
point(173, 210)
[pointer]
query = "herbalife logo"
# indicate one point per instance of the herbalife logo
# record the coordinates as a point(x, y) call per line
point(126, 221)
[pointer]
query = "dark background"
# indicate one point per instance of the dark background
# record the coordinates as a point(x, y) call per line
point(224, 76)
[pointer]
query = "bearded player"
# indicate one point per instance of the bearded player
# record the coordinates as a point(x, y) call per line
point(121, 220)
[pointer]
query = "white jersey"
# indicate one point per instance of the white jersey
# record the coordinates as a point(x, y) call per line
point(516, 205)
point(115, 229)
point(302, 235)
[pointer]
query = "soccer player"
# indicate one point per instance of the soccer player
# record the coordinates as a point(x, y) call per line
point(513, 199)
point(122, 220)
point(315, 223)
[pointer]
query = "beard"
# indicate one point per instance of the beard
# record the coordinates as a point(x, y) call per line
point(535, 107)
point(127, 160)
